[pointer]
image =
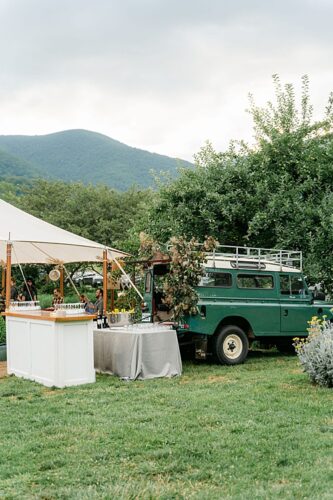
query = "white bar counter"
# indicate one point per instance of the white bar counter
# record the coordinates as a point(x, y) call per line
point(52, 350)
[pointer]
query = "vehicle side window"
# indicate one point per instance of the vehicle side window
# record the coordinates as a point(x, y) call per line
point(216, 279)
point(255, 281)
point(291, 285)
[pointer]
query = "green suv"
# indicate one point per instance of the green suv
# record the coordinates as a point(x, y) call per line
point(245, 294)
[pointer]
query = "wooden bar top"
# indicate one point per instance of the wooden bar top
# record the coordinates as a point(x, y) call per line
point(49, 316)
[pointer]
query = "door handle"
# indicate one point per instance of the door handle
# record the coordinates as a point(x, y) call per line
point(285, 312)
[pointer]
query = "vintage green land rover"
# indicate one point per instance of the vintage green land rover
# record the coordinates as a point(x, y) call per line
point(245, 294)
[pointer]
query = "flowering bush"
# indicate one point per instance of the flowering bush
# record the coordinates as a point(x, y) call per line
point(316, 352)
point(186, 260)
point(185, 271)
point(148, 246)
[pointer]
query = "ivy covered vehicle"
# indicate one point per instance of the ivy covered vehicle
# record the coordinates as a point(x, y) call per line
point(245, 294)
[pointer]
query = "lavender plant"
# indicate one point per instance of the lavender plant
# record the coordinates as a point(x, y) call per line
point(316, 352)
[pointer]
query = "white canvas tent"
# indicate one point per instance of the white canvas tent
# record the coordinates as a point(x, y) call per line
point(25, 239)
point(37, 242)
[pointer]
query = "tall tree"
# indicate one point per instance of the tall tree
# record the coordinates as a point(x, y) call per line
point(276, 193)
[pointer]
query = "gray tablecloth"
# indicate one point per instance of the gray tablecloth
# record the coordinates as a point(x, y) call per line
point(141, 355)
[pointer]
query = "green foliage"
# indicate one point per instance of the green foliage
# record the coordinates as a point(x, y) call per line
point(129, 300)
point(186, 260)
point(9, 190)
point(316, 352)
point(277, 193)
point(95, 212)
point(186, 269)
point(2, 330)
point(88, 157)
point(213, 199)
point(15, 168)
point(293, 171)
point(15, 175)
point(257, 430)
point(45, 299)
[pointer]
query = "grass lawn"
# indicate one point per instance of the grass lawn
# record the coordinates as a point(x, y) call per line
point(45, 299)
point(259, 430)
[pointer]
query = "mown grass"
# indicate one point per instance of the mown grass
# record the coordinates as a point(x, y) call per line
point(259, 430)
point(45, 299)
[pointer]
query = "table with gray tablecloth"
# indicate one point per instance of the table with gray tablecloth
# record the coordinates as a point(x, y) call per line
point(134, 353)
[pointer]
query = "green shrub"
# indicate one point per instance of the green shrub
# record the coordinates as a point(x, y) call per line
point(2, 331)
point(316, 352)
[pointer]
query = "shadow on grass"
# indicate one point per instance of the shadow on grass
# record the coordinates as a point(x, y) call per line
point(187, 354)
point(268, 353)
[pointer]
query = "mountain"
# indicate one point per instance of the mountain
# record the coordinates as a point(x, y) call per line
point(81, 155)
point(15, 169)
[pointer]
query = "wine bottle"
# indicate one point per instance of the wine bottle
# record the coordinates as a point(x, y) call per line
point(105, 322)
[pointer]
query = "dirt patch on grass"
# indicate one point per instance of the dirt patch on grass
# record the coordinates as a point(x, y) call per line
point(218, 378)
point(52, 392)
point(211, 379)
point(3, 369)
point(289, 387)
point(296, 371)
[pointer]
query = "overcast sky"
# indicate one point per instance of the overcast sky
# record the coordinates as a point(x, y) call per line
point(161, 75)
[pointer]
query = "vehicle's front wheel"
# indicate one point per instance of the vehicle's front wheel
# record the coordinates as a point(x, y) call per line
point(231, 345)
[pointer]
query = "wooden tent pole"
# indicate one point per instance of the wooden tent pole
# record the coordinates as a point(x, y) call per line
point(8, 274)
point(61, 287)
point(105, 280)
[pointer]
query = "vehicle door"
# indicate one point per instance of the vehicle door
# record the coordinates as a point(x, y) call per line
point(258, 302)
point(216, 300)
point(295, 301)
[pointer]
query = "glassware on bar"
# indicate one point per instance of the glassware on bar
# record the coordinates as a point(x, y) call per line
point(70, 309)
point(28, 305)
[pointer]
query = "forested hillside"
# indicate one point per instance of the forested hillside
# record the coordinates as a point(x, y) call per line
point(14, 169)
point(80, 155)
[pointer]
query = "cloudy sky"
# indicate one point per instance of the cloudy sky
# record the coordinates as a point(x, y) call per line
point(162, 75)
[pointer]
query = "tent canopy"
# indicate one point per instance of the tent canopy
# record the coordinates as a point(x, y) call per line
point(37, 242)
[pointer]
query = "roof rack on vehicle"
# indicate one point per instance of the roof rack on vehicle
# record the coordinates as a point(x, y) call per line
point(242, 256)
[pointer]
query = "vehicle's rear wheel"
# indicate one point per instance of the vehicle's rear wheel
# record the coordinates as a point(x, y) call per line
point(231, 345)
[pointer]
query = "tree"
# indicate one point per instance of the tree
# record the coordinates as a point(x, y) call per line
point(95, 212)
point(293, 167)
point(212, 199)
point(277, 193)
